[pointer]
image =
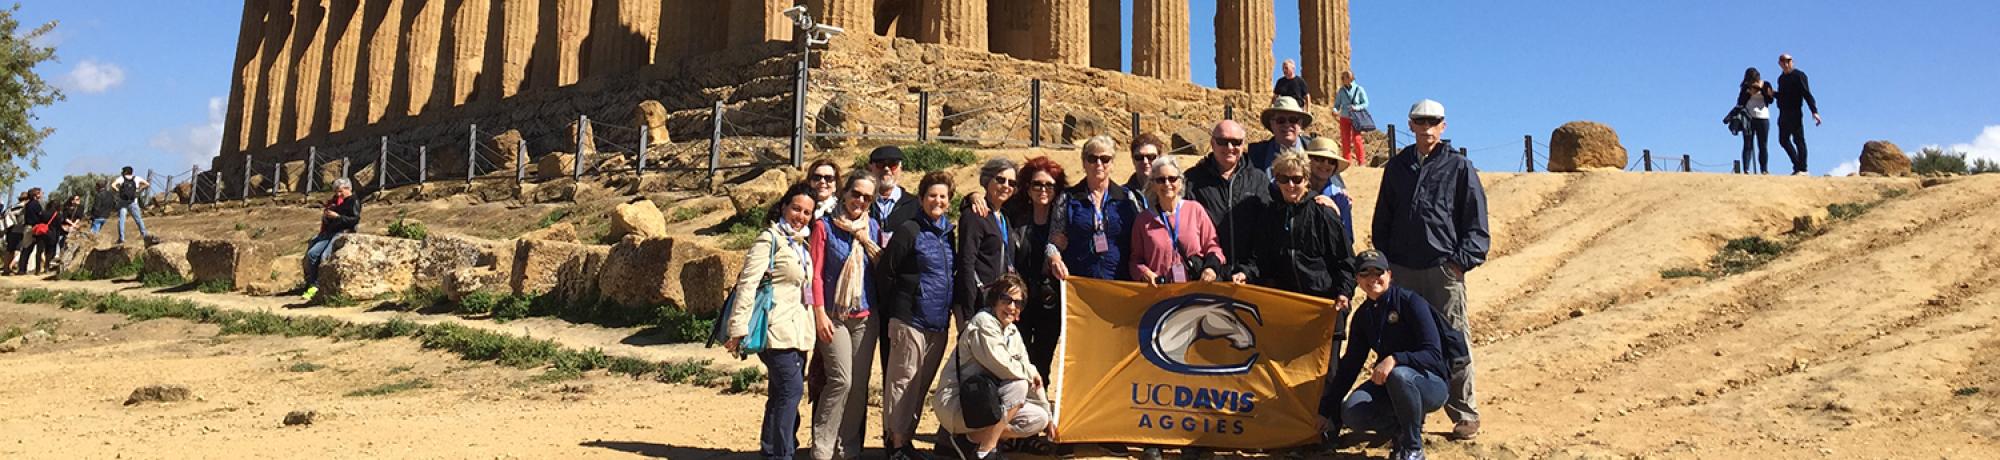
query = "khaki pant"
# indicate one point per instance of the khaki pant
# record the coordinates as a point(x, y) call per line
point(1446, 294)
point(840, 414)
point(914, 356)
point(1031, 420)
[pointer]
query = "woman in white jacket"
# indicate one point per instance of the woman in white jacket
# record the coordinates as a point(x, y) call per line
point(991, 345)
point(779, 257)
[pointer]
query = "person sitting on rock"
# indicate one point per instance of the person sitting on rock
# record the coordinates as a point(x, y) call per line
point(341, 214)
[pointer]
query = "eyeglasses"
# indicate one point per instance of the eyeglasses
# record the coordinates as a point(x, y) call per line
point(1293, 180)
point(1004, 181)
point(1325, 160)
point(1042, 186)
point(1287, 120)
point(1168, 179)
point(1099, 159)
point(1426, 121)
point(1145, 158)
point(1224, 141)
point(822, 178)
point(887, 164)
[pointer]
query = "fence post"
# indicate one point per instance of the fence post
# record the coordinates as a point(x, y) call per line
point(1528, 151)
point(520, 162)
point(217, 198)
point(582, 127)
point(312, 168)
point(798, 109)
point(277, 178)
point(347, 168)
point(1136, 130)
point(1228, 111)
point(1035, 112)
point(924, 117)
point(1684, 164)
point(471, 153)
point(246, 176)
point(383, 167)
point(423, 163)
point(1392, 140)
point(645, 141)
point(715, 137)
point(1647, 156)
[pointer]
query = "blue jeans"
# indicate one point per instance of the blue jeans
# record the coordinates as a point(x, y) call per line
point(316, 252)
point(96, 223)
point(1756, 145)
point(132, 208)
point(1397, 408)
point(787, 372)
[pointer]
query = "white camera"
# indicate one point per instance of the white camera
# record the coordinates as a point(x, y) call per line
point(794, 12)
point(826, 31)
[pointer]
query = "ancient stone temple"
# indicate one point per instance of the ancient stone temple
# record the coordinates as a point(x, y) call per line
point(335, 76)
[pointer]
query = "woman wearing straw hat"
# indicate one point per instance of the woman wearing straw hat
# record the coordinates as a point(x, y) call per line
point(1288, 123)
point(1328, 188)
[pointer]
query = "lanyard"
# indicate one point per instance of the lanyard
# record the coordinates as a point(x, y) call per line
point(1101, 203)
point(1006, 243)
point(1173, 231)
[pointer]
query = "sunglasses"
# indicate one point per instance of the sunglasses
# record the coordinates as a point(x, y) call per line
point(1004, 181)
point(1325, 160)
point(1145, 158)
point(887, 164)
point(1041, 186)
point(822, 178)
point(1425, 121)
point(1228, 142)
point(1293, 180)
point(1369, 273)
point(1168, 179)
point(1099, 159)
point(1287, 120)
point(857, 194)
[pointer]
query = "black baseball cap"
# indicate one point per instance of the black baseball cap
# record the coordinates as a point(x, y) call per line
point(886, 153)
point(1371, 259)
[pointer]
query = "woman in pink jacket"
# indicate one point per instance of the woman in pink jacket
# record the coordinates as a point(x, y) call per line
point(1173, 240)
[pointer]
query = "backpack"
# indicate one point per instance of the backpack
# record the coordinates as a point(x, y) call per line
point(128, 190)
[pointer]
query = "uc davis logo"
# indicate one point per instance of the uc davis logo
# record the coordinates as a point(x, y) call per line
point(1170, 327)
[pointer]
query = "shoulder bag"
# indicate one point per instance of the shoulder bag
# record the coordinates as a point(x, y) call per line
point(43, 228)
point(753, 343)
point(978, 396)
point(1363, 122)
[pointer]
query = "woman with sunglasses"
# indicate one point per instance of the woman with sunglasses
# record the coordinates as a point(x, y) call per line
point(823, 176)
point(1301, 247)
point(844, 250)
point(1173, 242)
point(1097, 239)
point(1145, 149)
point(986, 242)
point(917, 266)
point(1035, 215)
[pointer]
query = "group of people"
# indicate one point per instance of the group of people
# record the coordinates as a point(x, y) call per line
point(37, 232)
point(1752, 116)
point(854, 268)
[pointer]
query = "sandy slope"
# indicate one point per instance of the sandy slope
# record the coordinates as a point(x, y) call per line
point(1852, 345)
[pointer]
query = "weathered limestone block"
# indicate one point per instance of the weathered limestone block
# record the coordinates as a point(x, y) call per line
point(105, 260)
point(1885, 158)
point(293, 173)
point(856, 16)
point(1243, 36)
point(760, 191)
point(640, 218)
point(1061, 30)
point(567, 271)
point(585, 143)
point(444, 253)
point(1078, 127)
point(280, 275)
point(168, 257)
point(960, 23)
point(653, 117)
point(555, 165)
point(1189, 140)
point(362, 266)
point(227, 261)
point(1578, 145)
point(464, 281)
point(644, 272)
point(1324, 48)
point(560, 231)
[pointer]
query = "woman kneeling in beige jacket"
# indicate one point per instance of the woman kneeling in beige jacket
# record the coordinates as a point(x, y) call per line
point(991, 345)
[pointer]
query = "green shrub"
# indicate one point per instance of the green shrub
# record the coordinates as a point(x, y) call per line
point(398, 387)
point(744, 227)
point(513, 307)
point(1983, 166)
point(684, 214)
point(336, 300)
point(1673, 273)
point(1965, 391)
point(741, 380)
point(418, 298)
point(935, 157)
point(479, 302)
point(555, 215)
point(1933, 161)
point(1745, 254)
point(35, 295)
point(1845, 211)
point(216, 286)
point(693, 371)
point(407, 229)
point(632, 366)
point(79, 275)
point(680, 326)
point(161, 279)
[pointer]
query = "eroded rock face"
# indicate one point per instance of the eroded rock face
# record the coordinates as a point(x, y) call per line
point(1580, 145)
point(168, 257)
point(759, 192)
point(640, 218)
point(646, 272)
point(444, 253)
point(567, 271)
point(465, 281)
point(555, 165)
point(112, 259)
point(226, 261)
point(1884, 158)
point(363, 266)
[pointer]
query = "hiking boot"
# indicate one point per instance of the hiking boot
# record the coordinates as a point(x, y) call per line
point(1196, 453)
point(310, 291)
point(1116, 450)
point(1413, 454)
point(1465, 431)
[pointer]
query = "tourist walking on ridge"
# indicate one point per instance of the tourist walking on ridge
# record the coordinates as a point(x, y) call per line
point(32, 214)
point(1430, 221)
point(986, 242)
point(1351, 101)
point(778, 264)
point(824, 177)
point(1754, 98)
point(1231, 191)
point(1173, 241)
point(1292, 85)
point(1097, 242)
point(1793, 89)
point(104, 204)
point(130, 188)
point(844, 250)
point(991, 346)
point(1412, 346)
point(1145, 149)
point(340, 214)
point(1037, 214)
point(1287, 122)
point(917, 266)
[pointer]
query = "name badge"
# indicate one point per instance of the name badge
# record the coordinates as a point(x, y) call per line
point(1101, 243)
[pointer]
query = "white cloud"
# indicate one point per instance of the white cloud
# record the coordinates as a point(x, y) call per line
point(1845, 169)
point(92, 77)
point(195, 143)
point(1987, 145)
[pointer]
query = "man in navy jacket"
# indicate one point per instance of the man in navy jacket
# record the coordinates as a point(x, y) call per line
point(1408, 379)
point(1430, 220)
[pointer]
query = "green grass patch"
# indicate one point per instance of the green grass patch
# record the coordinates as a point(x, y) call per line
point(1965, 391)
point(79, 275)
point(744, 227)
point(1673, 273)
point(35, 295)
point(936, 157)
point(555, 215)
point(1745, 254)
point(694, 371)
point(418, 298)
point(391, 388)
point(634, 367)
point(215, 286)
point(161, 279)
point(303, 366)
point(684, 214)
point(741, 380)
point(407, 229)
point(680, 326)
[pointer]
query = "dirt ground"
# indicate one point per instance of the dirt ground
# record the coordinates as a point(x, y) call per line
point(1871, 337)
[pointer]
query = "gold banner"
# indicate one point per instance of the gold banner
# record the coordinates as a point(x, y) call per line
point(1203, 364)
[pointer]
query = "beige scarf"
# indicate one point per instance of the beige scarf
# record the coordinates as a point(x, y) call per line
point(848, 290)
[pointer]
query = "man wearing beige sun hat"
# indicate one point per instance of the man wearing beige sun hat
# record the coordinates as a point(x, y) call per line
point(1329, 189)
point(1287, 122)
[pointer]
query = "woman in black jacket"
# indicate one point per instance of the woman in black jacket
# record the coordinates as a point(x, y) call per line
point(1302, 246)
point(64, 219)
point(986, 245)
point(32, 214)
point(1034, 213)
point(340, 215)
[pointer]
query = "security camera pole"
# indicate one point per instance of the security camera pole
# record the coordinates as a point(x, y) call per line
point(810, 33)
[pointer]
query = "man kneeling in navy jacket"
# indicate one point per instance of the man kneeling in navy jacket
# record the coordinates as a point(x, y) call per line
point(1408, 379)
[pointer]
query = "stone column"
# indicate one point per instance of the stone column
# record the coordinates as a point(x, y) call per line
point(622, 35)
point(468, 50)
point(690, 27)
point(758, 21)
point(277, 72)
point(856, 16)
point(1160, 39)
point(383, 20)
point(960, 23)
point(423, 47)
point(343, 33)
point(1107, 35)
point(522, 20)
point(1062, 31)
point(1323, 34)
point(572, 31)
point(1243, 35)
point(243, 81)
point(308, 55)
point(1009, 31)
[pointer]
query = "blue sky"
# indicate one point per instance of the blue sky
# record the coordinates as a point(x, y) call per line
point(146, 78)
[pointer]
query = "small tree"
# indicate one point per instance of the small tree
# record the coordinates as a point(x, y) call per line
point(21, 91)
point(84, 185)
point(1984, 166)
point(1935, 161)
